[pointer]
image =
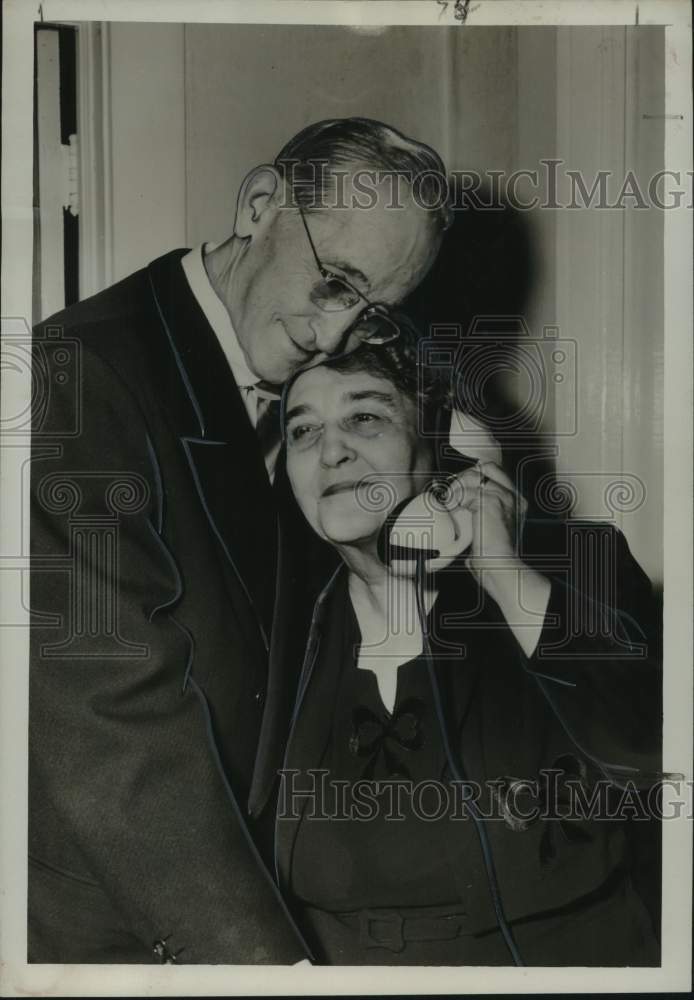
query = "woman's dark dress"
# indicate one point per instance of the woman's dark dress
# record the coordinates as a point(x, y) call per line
point(375, 889)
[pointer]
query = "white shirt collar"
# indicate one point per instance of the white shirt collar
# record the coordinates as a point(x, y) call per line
point(217, 316)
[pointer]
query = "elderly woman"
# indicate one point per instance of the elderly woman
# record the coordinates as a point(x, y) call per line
point(459, 714)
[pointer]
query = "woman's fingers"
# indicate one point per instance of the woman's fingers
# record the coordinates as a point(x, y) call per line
point(494, 472)
point(490, 492)
point(454, 490)
point(457, 491)
point(485, 508)
point(497, 475)
point(463, 519)
point(460, 490)
point(464, 490)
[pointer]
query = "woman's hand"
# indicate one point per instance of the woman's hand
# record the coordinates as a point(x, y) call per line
point(498, 511)
point(486, 516)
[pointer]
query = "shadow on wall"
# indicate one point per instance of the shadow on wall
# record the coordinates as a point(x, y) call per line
point(479, 287)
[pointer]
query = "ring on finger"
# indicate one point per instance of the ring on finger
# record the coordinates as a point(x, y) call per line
point(483, 479)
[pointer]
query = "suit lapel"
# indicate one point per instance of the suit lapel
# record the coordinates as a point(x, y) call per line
point(304, 564)
point(219, 441)
point(243, 519)
point(311, 718)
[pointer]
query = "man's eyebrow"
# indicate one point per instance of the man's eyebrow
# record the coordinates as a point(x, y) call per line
point(351, 272)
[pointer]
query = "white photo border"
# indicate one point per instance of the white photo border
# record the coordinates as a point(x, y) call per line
point(19, 978)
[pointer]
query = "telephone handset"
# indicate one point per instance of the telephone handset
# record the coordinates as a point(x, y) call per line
point(421, 526)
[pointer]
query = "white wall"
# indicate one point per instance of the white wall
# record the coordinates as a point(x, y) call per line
point(250, 88)
point(139, 130)
point(189, 109)
point(609, 284)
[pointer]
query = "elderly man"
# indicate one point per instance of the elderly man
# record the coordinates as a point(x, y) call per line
point(168, 585)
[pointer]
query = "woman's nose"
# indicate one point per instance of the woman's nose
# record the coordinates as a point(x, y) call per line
point(335, 450)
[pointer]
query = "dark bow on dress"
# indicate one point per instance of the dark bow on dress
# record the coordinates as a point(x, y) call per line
point(374, 736)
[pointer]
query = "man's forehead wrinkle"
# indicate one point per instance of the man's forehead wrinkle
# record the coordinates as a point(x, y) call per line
point(377, 249)
point(330, 246)
point(360, 223)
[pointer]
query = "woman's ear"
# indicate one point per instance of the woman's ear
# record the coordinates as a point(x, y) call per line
point(257, 201)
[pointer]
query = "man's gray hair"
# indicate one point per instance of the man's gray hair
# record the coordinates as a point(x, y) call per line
point(307, 160)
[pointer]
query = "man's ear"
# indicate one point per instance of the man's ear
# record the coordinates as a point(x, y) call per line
point(257, 200)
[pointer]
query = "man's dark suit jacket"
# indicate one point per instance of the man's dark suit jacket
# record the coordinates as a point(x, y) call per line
point(162, 660)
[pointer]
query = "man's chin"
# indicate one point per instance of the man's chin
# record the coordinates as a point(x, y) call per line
point(278, 365)
point(313, 361)
point(275, 370)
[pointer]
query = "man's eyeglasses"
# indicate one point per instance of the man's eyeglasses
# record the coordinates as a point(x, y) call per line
point(335, 294)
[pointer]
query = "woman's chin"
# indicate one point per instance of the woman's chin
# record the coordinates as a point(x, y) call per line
point(342, 528)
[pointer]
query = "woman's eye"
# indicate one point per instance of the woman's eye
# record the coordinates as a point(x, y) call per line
point(369, 422)
point(296, 433)
point(302, 433)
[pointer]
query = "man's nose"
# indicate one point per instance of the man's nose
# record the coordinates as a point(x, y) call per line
point(329, 328)
point(335, 449)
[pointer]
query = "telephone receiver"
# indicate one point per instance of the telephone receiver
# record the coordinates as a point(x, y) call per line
point(421, 527)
